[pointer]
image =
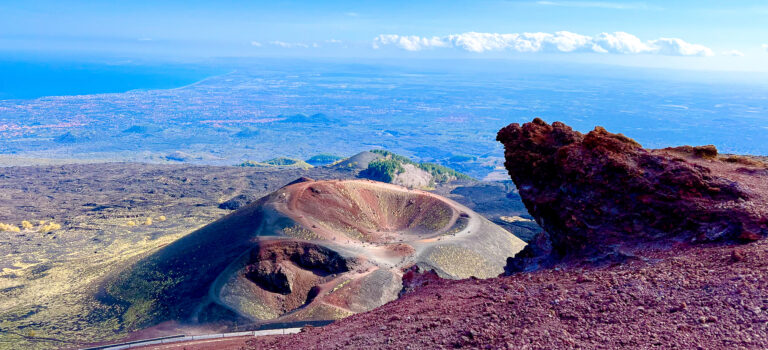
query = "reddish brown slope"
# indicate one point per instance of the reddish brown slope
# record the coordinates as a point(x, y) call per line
point(627, 266)
point(708, 296)
point(704, 296)
point(646, 248)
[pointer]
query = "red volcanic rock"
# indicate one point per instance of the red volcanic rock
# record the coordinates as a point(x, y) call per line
point(289, 271)
point(601, 195)
point(691, 297)
point(414, 278)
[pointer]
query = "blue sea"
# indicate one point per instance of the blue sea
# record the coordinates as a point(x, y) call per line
point(38, 78)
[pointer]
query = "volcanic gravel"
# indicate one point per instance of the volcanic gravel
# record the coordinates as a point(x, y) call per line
point(705, 296)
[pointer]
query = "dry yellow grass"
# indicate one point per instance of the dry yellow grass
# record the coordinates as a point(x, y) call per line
point(161, 218)
point(148, 222)
point(131, 223)
point(9, 227)
point(27, 225)
point(50, 227)
point(67, 287)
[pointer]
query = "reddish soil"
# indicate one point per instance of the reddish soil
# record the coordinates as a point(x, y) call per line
point(693, 296)
point(644, 248)
point(377, 212)
point(682, 295)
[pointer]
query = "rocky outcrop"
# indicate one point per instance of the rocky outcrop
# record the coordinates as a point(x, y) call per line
point(601, 195)
point(415, 278)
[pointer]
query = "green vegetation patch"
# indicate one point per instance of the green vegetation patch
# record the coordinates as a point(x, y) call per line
point(387, 168)
point(384, 169)
point(278, 162)
point(394, 156)
point(443, 173)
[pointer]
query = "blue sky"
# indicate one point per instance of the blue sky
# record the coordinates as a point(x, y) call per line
point(716, 35)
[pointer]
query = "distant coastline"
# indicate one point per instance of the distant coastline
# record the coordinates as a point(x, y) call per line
point(23, 80)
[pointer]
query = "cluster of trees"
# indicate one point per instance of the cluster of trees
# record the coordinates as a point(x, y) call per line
point(443, 173)
point(383, 169)
point(387, 168)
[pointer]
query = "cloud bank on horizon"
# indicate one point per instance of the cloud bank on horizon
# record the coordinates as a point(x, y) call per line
point(562, 41)
point(596, 4)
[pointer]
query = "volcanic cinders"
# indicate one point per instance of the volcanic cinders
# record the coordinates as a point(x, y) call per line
point(315, 250)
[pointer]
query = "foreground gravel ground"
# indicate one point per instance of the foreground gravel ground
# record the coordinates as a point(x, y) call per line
point(704, 296)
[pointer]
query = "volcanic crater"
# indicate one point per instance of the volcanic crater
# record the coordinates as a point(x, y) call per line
point(314, 250)
point(370, 213)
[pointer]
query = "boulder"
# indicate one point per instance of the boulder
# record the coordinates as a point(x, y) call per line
point(601, 195)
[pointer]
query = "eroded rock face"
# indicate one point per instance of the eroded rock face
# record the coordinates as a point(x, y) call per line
point(601, 194)
point(287, 274)
point(278, 266)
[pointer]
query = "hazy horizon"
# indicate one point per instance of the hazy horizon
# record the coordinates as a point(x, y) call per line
point(709, 35)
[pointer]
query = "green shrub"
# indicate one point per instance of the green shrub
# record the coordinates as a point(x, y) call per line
point(397, 157)
point(282, 161)
point(443, 173)
point(384, 169)
point(278, 162)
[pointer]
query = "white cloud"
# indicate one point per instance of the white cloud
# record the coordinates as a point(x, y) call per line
point(563, 41)
point(256, 43)
point(674, 47)
point(765, 47)
point(735, 53)
point(596, 4)
point(286, 45)
point(410, 43)
point(334, 41)
point(352, 14)
point(620, 42)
